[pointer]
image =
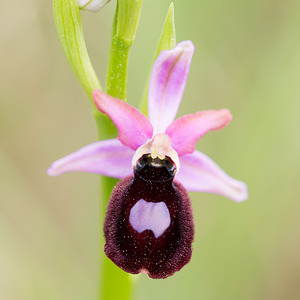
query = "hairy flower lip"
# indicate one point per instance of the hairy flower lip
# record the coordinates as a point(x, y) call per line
point(164, 181)
point(132, 251)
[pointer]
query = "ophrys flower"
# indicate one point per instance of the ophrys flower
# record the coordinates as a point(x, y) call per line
point(149, 224)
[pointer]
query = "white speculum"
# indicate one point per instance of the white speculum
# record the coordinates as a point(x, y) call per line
point(149, 215)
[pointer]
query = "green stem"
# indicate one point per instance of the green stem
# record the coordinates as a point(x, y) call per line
point(116, 78)
point(117, 284)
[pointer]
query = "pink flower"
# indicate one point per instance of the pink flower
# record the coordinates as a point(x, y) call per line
point(149, 225)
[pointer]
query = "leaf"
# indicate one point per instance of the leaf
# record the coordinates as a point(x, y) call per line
point(69, 28)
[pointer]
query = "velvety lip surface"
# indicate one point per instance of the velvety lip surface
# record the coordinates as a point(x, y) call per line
point(136, 252)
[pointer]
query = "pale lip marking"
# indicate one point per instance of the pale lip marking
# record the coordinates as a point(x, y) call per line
point(149, 215)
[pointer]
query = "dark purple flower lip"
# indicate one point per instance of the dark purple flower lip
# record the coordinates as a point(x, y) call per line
point(149, 224)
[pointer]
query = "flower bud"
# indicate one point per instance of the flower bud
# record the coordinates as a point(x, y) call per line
point(92, 5)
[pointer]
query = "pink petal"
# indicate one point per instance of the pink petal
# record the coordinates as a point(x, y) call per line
point(134, 128)
point(110, 158)
point(185, 131)
point(167, 83)
point(201, 174)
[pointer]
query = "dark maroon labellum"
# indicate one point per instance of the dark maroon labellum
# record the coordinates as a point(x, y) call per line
point(149, 224)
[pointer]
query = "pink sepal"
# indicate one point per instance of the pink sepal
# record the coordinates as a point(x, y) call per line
point(134, 127)
point(185, 131)
point(110, 158)
point(200, 173)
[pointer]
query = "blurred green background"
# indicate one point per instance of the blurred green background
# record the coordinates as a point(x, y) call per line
point(247, 59)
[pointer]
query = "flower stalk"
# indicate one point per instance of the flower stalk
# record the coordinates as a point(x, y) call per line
point(124, 30)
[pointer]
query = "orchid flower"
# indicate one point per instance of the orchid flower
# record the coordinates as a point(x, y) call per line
point(149, 224)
